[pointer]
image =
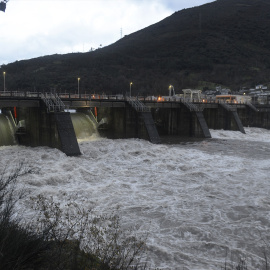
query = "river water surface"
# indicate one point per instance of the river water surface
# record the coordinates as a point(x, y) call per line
point(198, 201)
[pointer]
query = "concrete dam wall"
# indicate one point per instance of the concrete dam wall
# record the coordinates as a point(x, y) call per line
point(35, 125)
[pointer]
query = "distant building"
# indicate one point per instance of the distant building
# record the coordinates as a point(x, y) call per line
point(261, 87)
point(192, 94)
point(222, 91)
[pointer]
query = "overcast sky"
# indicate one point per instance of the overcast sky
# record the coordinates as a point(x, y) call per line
point(33, 28)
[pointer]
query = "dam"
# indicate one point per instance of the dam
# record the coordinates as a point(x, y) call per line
point(61, 120)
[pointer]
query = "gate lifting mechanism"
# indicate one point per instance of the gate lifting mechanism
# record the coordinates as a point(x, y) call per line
point(3, 5)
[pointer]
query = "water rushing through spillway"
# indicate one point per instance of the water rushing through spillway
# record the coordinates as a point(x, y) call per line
point(195, 199)
point(6, 131)
point(84, 127)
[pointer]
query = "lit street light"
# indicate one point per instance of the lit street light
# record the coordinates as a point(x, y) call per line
point(4, 74)
point(130, 89)
point(171, 90)
point(79, 86)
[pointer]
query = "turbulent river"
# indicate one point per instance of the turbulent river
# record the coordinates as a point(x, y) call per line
point(197, 201)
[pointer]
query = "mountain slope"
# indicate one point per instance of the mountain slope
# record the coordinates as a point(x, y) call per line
point(225, 42)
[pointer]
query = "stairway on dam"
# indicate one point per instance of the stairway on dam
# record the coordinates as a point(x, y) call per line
point(235, 115)
point(199, 114)
point(151, 127)
point(203, 124)
point(66, 133)
point(68, 140)
point(149, 123)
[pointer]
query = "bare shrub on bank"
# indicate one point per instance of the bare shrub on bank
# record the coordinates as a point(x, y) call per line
point(84, 240)
point(9, 195)
point(68, 237)
point(20, 248)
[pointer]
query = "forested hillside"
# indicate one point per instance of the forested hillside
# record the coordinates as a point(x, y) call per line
point(225, 42)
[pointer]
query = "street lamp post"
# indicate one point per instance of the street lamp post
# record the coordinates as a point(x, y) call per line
point(130, 89)
point(171, 90)
point(4, 74)
point(79, 86)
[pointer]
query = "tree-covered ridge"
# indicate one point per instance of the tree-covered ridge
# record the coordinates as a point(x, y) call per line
point(225, 42)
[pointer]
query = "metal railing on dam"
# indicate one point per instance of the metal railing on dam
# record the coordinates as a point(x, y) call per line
point(28, 95)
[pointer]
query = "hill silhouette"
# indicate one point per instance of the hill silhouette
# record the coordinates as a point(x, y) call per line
point(225, 42)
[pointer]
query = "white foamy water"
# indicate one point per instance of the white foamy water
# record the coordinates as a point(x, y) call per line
point(195, 200)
